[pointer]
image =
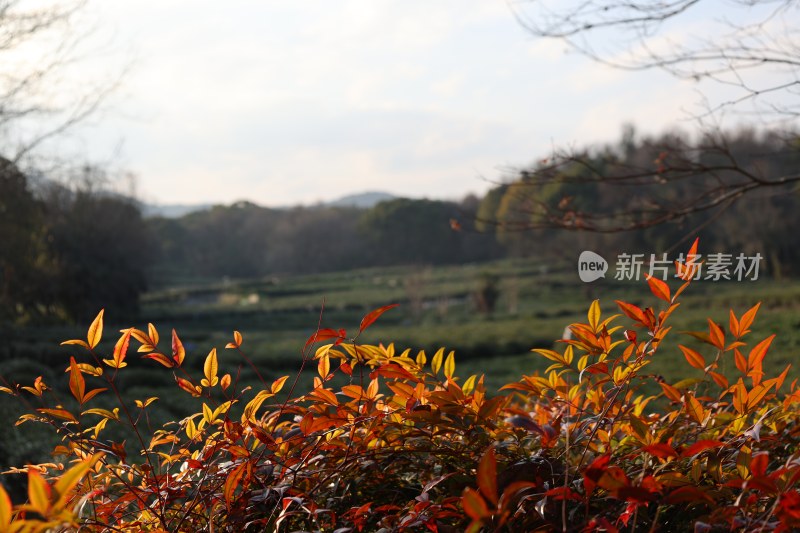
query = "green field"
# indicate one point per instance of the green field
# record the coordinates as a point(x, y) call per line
point(437, 309)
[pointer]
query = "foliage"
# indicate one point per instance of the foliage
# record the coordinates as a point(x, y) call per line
point(396, 441)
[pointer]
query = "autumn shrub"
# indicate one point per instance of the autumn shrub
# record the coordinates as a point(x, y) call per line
point(388, 441)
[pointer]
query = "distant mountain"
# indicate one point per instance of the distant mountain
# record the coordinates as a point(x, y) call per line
point(364, 200)
point(171, 210)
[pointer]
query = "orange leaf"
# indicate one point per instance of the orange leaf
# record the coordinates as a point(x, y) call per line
point(741, 362)
point(232, 481)
point(715, 335)
point(694, 358)
point(325, 334)
point(759, 351)
point(95, 330)
point(633, 312)
point(487, 475)
point(719, 379)
point(77, 385)
point(92, 393)
point(671, 392)
point(161, 358)
point(755, 396)
point(372, 316)
point(121, 349)
point(658, 287)
point(740, 397)
point(694, 409)
point(178, 352)
point(734, 325)
point(59, 413)
point(188, 387)
point(747, 319)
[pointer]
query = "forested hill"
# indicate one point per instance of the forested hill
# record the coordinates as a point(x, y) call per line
point(67, 251)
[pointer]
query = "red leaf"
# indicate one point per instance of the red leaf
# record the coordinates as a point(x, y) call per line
point(701, 446)
point(487, 475)
point(392, 370)
point(474, 505)
point(325, 334)
point(660, 450)
point(372, 316)
point(658, 287)
point(759, 463)
point(689, 495)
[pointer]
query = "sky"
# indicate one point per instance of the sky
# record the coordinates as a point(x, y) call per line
point(292, 102)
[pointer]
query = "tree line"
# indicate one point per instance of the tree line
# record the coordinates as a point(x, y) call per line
point(68, 250)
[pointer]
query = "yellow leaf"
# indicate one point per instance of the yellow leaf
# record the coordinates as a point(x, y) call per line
point(5, 509)
point(95, 330)
point(102, 412)
point(225, 381)
point(277, 385)
point(237, 338)
point(210, 369)
point(450, 365)
point(149, 401)
point(421, 358)
point(75, 341)
point(253, 405)
point(594, 315)
point(208, 414)
point(436, 363)
point(324, 366)
point(38, 492)
point(151, 330)
point(191, 429)
point(71, 477)
point(469, 384)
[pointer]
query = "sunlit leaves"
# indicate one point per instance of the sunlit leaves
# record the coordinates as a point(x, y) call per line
point(237, 341)
point(659, 288)
point(210, 368)
point(693, 357)
point(450, 365)
point(95, 330)
point(178, 351)
point(372, 316)
point(187, 386)
point(120, 351)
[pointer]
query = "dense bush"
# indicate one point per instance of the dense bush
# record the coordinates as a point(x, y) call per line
point(396, 442)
